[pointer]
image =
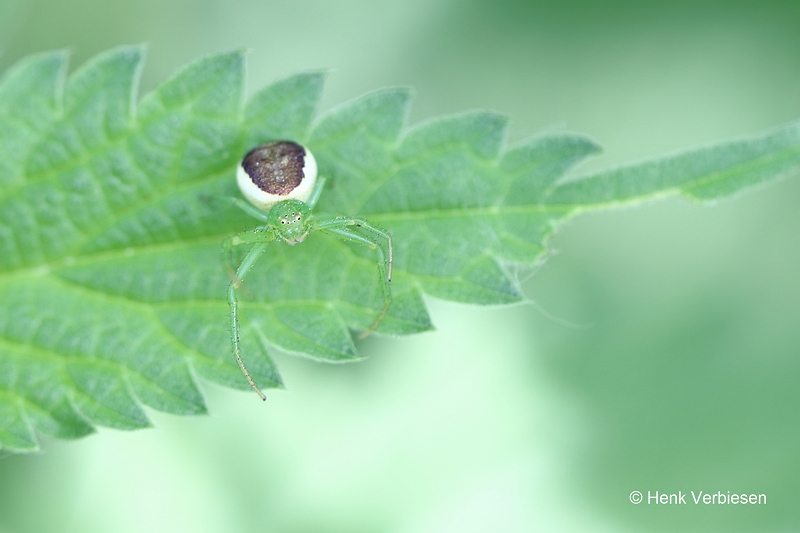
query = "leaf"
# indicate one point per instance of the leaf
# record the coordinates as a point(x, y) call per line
point(704, 174)
point(112, 285)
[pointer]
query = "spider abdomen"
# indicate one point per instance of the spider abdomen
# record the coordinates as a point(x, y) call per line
point(276, 171)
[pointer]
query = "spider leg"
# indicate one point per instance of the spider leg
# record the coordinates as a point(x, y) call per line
point(315, 192)
point(261, 240)
point(371, 237)
point(259, 234)
point(248, 208)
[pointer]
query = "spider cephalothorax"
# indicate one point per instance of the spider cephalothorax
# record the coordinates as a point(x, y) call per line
point(290, 220)
point(280, 181)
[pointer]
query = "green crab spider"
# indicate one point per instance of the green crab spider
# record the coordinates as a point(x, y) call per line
point(279, 180)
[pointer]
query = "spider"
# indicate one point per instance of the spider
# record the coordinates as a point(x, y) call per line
point(279, 180)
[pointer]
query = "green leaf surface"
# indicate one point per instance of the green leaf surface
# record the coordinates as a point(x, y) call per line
point(112, 284)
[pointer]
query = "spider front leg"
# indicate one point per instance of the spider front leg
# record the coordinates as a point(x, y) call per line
point(261, 238)
point(346, 229)
point(229, 243)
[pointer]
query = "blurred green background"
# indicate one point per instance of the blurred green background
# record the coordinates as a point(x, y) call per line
point(679, 372)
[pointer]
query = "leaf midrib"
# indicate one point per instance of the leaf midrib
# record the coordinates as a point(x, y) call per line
point(47, 267)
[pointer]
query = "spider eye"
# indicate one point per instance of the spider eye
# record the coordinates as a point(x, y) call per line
point(277, 171)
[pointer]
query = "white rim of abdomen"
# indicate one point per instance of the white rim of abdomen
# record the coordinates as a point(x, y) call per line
point(264, 200)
